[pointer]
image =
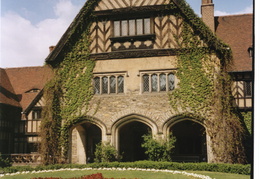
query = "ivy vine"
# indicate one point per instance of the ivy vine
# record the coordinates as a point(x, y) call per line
point(68, 94)
point(204, 88)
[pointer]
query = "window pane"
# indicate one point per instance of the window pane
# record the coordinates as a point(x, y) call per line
point(154, 82)
point(131, 27)
point(171, 81)
point(248, 88)
point(146, 83)
point(117, 28)
point(96, 85)
point(104, 84)
point(124, 28)
point(120, 84)
point(36, 114)
point(112, 84)
point(147, 26)
point(139, 24)
point(162, 82)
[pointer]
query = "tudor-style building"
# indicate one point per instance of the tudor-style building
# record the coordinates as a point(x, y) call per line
point(134, 46)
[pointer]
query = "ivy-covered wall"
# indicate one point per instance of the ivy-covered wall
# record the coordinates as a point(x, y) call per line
point(203, 90)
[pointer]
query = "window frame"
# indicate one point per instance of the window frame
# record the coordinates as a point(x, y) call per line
point(158, 73)
point(119, 88)
point(248, 92)
point(128, 33)
point(36, 112)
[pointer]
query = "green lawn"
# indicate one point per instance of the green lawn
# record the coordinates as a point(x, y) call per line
point(218, 175)
point(129, 174)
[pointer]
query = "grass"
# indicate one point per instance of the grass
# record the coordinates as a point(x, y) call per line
point(219, 175)
point(129, 174)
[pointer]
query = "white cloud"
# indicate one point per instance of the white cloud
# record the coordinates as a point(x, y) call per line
point(244, 11)
point(25, 44)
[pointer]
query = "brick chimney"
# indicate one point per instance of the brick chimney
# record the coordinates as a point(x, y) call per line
point(207, 13)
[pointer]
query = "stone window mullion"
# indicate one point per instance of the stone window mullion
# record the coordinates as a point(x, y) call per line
point(100, 85)
point(167, 82)
point(150, 83)
point(108, 84)
point(158, 82)
point(116, 84)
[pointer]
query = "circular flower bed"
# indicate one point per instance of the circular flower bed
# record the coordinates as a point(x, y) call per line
point(114, 169)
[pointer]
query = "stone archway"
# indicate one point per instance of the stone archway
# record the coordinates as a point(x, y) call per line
point(131, 128)
point(130, 140)
point(84, 138)
point(191, 144)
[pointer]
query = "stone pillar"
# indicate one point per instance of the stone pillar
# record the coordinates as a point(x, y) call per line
point(210, 155)
point(207, 13)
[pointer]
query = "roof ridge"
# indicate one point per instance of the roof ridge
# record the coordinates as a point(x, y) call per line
point(23, 67)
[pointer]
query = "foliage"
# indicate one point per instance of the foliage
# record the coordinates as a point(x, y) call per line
point(4, 162)
point(225, 168)
point(106, 153)
point(158, 150)
point(204, 88)
point(67, 95)
point(247, 117)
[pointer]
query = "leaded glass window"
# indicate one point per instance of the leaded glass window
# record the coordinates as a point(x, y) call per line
point(105, 84)
point(146, 83)
point(112, 84)
point(108, 84)
point(162, 82)
point(158, 82)
point(97, 85)
point(171, 81)
point(120, 84)
point(154, 83)
point(248, 88)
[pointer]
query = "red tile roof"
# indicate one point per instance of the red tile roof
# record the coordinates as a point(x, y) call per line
point(25, 79)
point(237, 32)
point(7, 94)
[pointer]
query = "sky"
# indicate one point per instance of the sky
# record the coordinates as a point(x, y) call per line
point(29, 27)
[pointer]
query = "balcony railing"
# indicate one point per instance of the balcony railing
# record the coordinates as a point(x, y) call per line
point(25, 159)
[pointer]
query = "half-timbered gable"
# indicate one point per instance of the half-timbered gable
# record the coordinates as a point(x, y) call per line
point(135, 25)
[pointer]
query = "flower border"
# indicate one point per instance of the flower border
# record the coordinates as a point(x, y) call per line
point(112, 169)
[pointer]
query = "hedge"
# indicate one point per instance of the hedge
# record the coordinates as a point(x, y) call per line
point(224, 168)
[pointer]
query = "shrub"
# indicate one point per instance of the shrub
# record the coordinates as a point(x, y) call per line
point(106, 153)
point(158, 150)
point(213, 167)
point(4, 162)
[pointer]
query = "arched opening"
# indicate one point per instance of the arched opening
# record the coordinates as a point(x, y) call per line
point(130, 141)
point(84, 139)
point(191, 142)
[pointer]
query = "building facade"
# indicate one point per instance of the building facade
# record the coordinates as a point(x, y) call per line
point(134, 45)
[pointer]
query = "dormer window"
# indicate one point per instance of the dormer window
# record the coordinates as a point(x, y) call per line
point(33, 90)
